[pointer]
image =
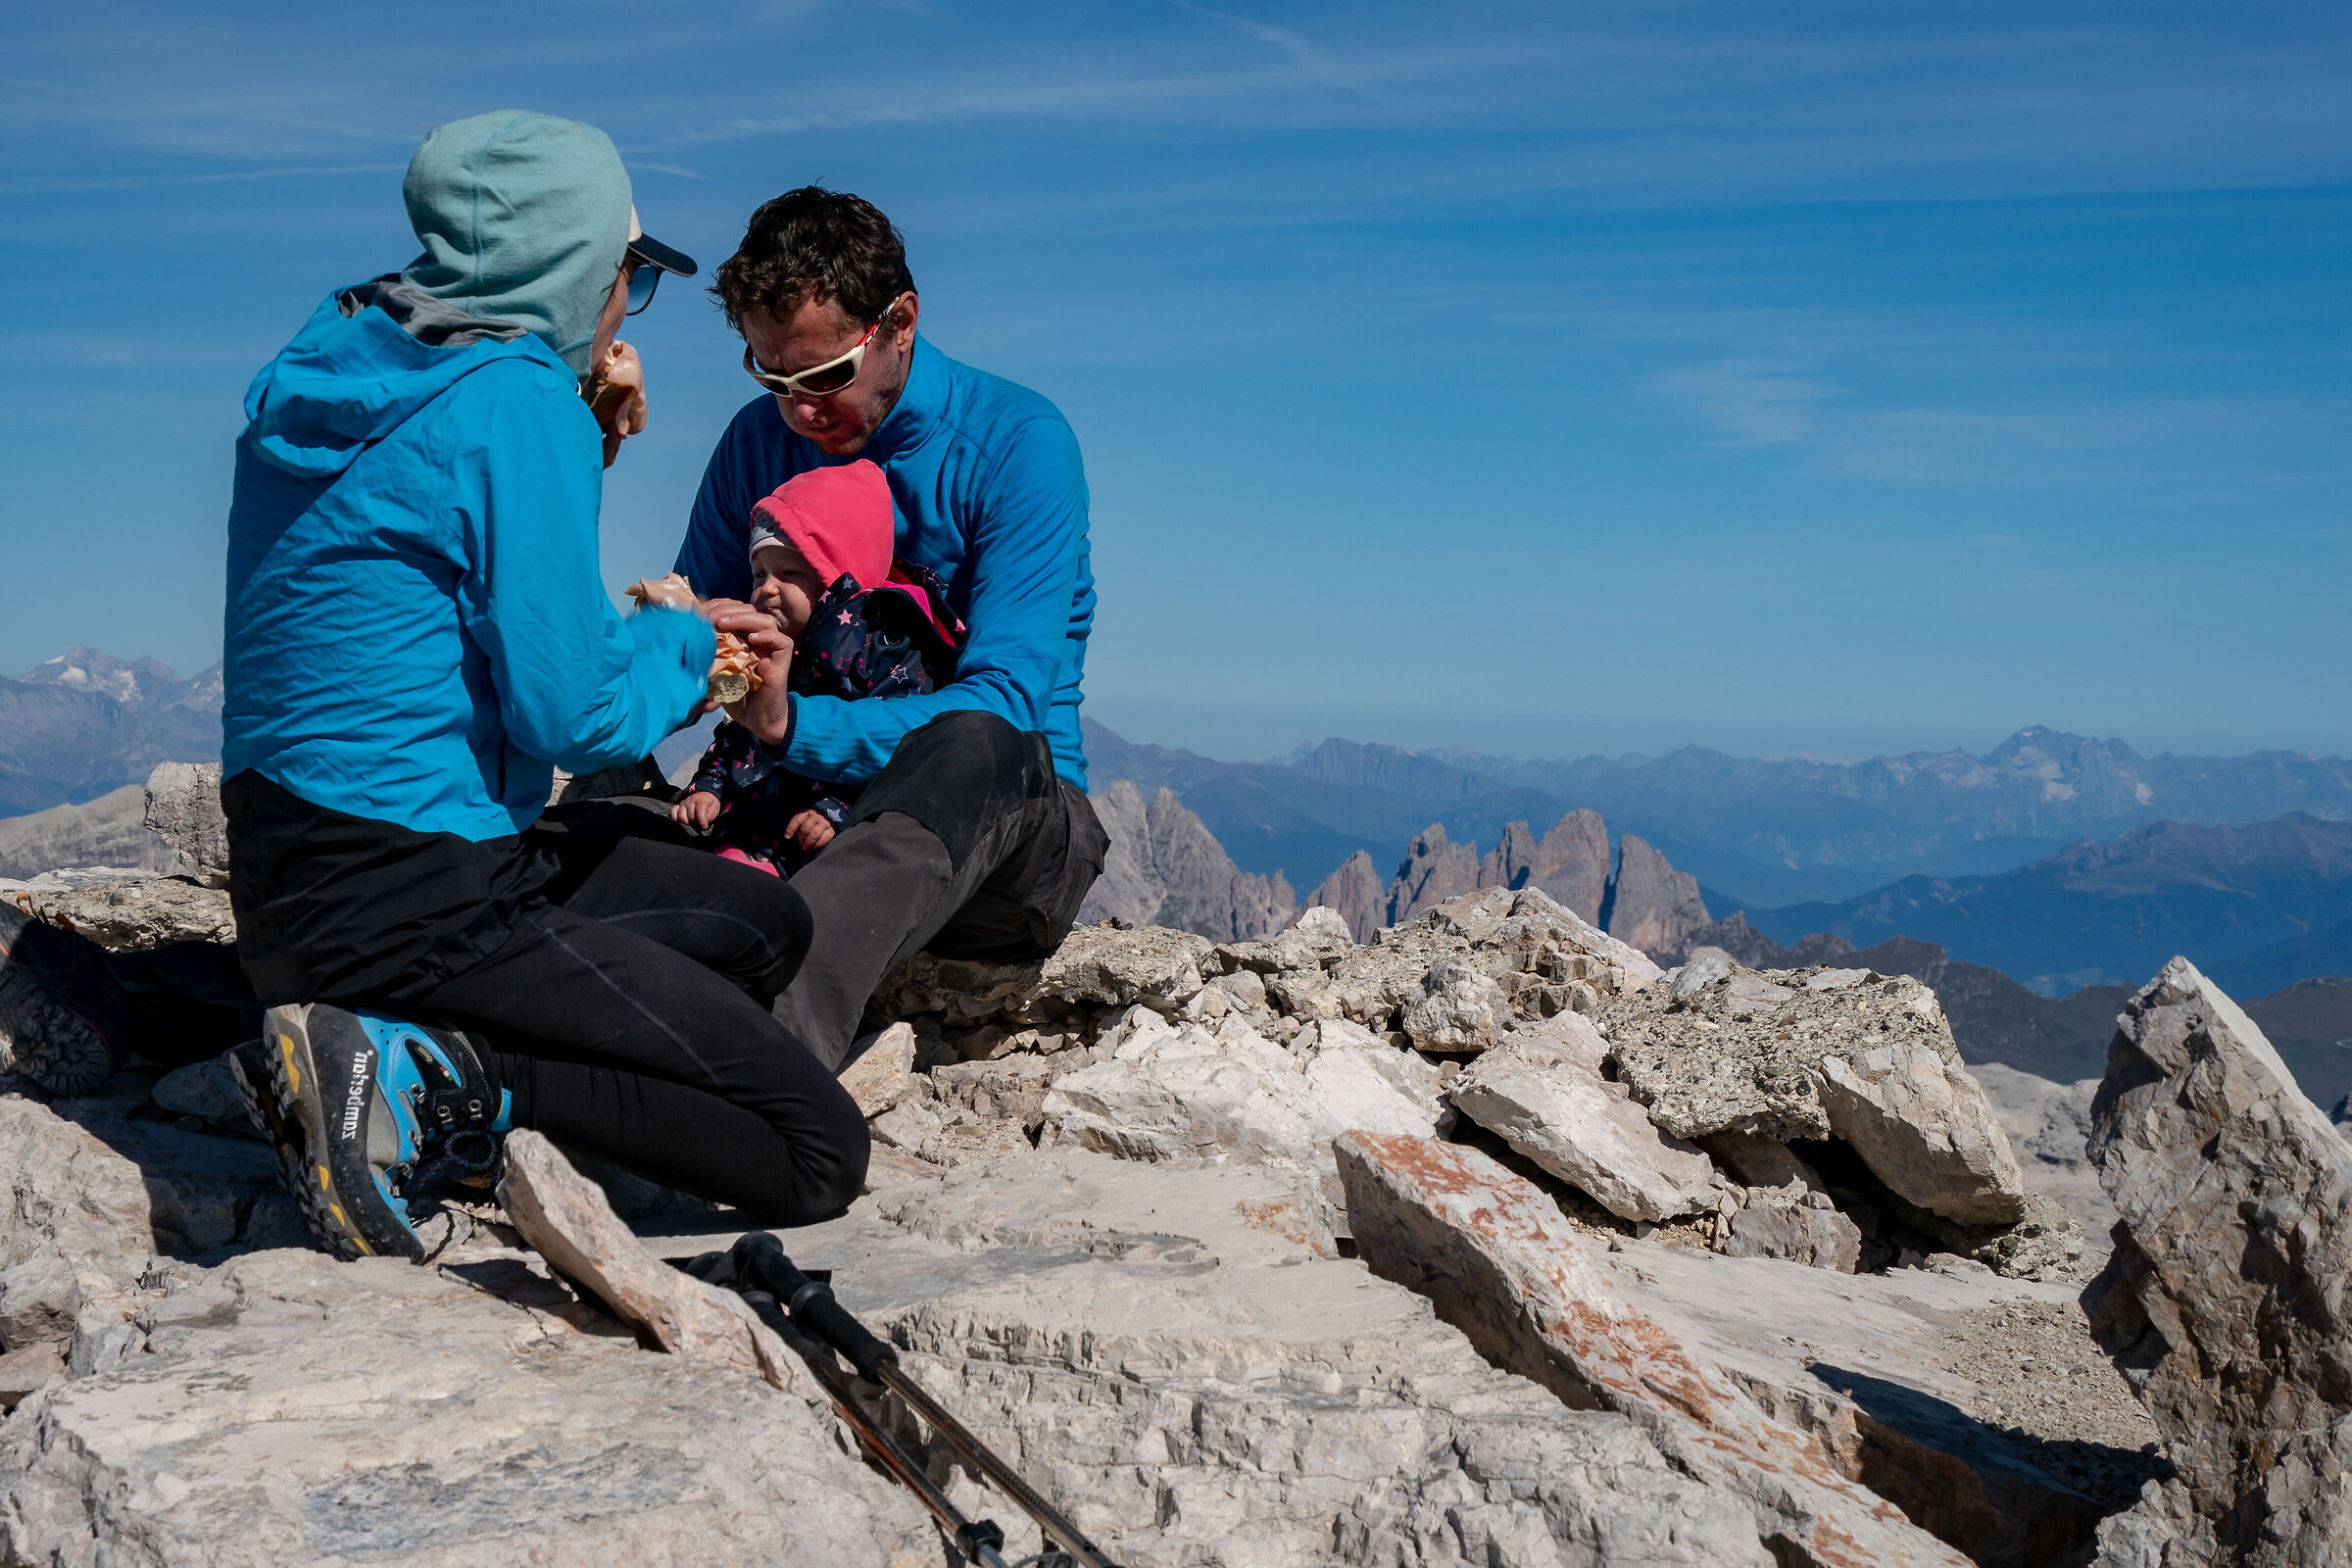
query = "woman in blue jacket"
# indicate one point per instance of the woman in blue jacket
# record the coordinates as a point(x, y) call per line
point(417, 634)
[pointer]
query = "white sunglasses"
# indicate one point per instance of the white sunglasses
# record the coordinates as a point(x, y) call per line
point(818, 380)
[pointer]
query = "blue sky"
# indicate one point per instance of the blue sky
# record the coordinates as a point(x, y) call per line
point(1547, 379)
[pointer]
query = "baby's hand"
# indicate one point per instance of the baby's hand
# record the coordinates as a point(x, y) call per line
point(810, 830)
point(699, 810)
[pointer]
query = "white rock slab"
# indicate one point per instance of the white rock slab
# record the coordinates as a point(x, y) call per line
point(1541, 1091)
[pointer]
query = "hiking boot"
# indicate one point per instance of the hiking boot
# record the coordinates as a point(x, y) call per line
point(58, 1046)
point(374, 1114)
point(256, 1085)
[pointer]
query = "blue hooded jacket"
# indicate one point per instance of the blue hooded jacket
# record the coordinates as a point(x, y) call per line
point(417, 628)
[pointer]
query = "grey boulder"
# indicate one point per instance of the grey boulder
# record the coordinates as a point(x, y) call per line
point(183, 809)
point(2226, 1298)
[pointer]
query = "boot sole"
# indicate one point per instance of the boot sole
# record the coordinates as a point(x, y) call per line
point(339, 1204)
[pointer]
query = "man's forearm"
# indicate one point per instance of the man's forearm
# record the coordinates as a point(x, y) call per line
point(850, 742)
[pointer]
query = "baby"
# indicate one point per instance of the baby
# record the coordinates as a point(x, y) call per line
point(862, 624)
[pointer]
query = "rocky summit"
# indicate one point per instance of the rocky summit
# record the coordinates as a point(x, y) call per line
point(1484, 1241)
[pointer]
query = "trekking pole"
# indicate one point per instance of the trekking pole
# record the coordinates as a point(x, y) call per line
point(757, 1262)
point(981, 1540)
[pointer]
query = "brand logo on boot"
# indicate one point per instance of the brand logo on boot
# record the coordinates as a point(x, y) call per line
point(356, 1094)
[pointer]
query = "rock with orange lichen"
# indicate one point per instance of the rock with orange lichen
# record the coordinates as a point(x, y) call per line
point(1499, 1261)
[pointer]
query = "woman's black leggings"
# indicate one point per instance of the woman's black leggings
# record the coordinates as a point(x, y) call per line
point(628, 1015)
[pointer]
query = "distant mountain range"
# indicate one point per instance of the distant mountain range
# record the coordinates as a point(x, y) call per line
point(2112, 913)
point(1762, 834)
point(2057, 860)
point(86, 723)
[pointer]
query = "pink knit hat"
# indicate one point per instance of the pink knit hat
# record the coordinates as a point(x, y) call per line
point(840, 519)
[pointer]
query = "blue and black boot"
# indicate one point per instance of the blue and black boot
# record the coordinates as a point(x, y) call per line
point(374, 1114)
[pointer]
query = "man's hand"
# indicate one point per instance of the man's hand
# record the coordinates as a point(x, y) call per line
point(767, 712)
point(697, 810)
point(811, 831)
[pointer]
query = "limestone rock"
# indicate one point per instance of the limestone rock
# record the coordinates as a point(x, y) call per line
point(1164, 868)
point(1912, 1382)
point(1362, 1080)
point(183, 809)
point(1541, 1091)
point(1545, 959)
point(1456, 1009)
point(1755, 1161)
point(286, 1408)
point(1570, 862)
point(1796, 1224)
point(24, 1370)
point(877, 1077)
point(133, 912)
point(207, 1091)
point(1169, 1093)
point(1925, 1128)
point(2048, 1124)
point(1126, 891)
point(960, 1140)
point(1652, 905)
point(1192, 1094)
point(1173, 1355)
point(1009, 1088)
point(104, 832)
point(1509, 863)
point(1499, 1262)
point(1728, 1055)
point(563, 1215)
point(2306, 1503)
point(1319, 938)
point(91, 1187)
point(1101, 965)
point(2225, 1296)
point(1433, 871)
point(1354, 894)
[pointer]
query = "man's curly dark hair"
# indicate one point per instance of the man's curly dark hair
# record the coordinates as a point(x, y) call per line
point(815, 244)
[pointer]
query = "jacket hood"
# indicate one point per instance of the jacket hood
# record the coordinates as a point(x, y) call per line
point(348, 380)
point(841, 519)
point(524, 218)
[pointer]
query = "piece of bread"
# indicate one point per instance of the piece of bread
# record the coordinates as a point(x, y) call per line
point(735, 669)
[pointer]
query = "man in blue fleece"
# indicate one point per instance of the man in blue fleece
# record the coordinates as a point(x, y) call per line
point(972, 836)
point(416, 630)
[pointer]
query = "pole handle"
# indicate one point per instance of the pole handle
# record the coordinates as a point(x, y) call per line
point(758, 1258)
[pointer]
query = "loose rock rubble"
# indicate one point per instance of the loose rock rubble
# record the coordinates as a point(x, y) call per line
point(1763, 1281)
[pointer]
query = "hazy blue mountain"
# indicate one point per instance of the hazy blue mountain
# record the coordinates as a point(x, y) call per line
point(1271, 817)
point(2327, 950)
point(86, 723)
point(1939, 815)
point(1756, 833)
point(2112, 913)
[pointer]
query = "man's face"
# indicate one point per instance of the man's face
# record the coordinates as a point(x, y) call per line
point(839, 423)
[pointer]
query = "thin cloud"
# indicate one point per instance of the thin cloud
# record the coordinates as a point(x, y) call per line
point(1750, 402)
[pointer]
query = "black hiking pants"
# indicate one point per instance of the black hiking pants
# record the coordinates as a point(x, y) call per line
point(620, 981)
point(965, 844)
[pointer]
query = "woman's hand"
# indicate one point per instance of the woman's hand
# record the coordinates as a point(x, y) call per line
point(767, 712)
point(697, 810)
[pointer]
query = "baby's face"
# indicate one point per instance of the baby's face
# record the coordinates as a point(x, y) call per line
point(784, 585)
